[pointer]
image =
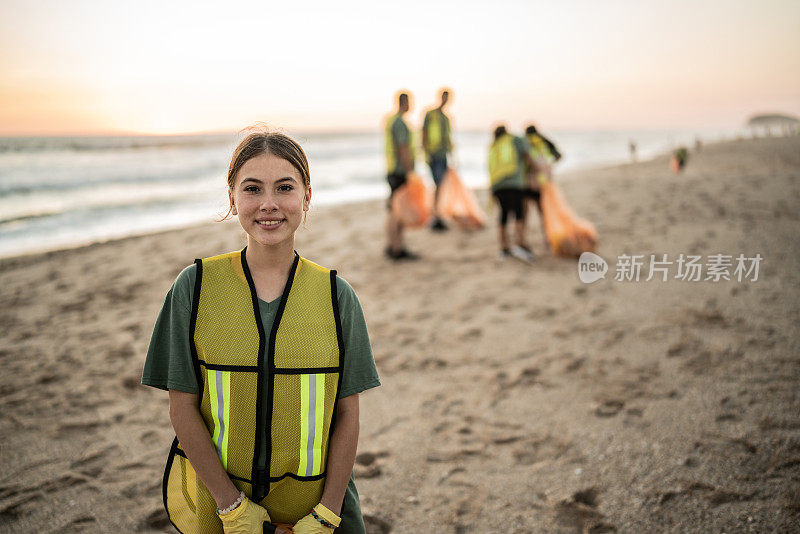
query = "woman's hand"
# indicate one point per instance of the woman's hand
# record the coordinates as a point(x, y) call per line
point(247, 518)
point(314, 525)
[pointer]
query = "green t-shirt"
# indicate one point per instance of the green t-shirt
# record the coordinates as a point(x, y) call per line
point(401, 136)
point(169, 358)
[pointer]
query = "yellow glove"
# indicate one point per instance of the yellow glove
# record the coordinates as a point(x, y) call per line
point(247, 518)
point(312, 525)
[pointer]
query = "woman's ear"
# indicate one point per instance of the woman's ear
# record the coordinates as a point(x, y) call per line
point(233, 204)
point(307, 200)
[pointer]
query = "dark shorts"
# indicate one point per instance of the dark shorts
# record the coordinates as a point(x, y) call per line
point(510, 202)
point(395, 182)
point(535, 195)
point(438, 166)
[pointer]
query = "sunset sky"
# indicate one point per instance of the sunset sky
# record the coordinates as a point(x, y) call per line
point(100, 66)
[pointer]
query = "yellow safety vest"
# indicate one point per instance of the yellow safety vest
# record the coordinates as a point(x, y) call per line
point(539, 151)
point(293, 373)
point(503, 158)
point(539, 148)
point(438, 132)
point(391, 149)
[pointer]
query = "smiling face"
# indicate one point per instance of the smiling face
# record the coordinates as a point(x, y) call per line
point(269, 199)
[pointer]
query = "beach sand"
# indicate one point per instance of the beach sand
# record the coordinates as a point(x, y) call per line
point(515, 398)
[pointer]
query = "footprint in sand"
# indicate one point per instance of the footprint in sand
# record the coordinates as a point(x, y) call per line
point(609, 407)
point(376, 525)
point(367, 466)
point(574, 365)
point(157, 519)
point(83, 522)
point(580, 513)
point(471, 334)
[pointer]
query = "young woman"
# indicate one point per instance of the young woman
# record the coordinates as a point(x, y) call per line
point(264, 354)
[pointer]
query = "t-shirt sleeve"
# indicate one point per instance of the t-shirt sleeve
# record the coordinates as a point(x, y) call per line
point(360, 373)
point(169, 358)
point(400, 133)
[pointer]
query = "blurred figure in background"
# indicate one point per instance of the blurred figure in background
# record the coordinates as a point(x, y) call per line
point(508, 156)
point(544, 153)
point(399, 162)
point(678, 160)
point(632, 148)
point(437, 143)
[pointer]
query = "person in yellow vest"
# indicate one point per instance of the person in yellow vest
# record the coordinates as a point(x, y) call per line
point(437, 143)
point(400, 157)
point(508, 155)
point(545, 154)
point(264, 354)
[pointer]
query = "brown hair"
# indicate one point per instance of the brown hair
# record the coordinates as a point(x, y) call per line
point(263, 141)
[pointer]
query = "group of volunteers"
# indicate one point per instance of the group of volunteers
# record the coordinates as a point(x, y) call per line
point(518, 167)
point(264, 353)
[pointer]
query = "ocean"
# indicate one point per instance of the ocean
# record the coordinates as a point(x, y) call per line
point(58, 192)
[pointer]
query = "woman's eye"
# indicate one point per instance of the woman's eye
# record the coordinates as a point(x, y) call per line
point(285, 187)
point(251, 188)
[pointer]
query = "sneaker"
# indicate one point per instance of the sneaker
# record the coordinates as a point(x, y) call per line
point(522, 254)
point(438, 225)
point(404, 254)
point(504, 254)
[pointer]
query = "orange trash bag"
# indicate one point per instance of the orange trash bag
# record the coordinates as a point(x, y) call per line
point(412, 202)
point(568, 234)
point(458, 203)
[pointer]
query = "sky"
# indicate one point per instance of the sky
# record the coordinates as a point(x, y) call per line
point(111, 66)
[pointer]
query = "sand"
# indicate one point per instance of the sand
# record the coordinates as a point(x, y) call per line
point(515, 398)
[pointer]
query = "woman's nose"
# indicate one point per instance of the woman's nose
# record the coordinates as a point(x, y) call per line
point(269, 202)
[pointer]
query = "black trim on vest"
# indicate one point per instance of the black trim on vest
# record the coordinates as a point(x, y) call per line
point(198, 280)
point(235, 368)
point(179, 452)
point(171, 456)
point(259, 477)
point(304, 370)
point(298, 477)
point(257, 486)
point(340, 339)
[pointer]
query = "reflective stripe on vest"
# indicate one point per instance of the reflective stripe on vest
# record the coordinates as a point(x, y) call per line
point(219, 391)
point(312, 398)
point(274, 391)
point(503, 159)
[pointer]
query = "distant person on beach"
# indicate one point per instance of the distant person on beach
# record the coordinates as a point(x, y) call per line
point(632, 148)
point(679, 159)
point(399, 162)
point(508, 155)
point(251, 347)
point(544, 153)
point(437, 143)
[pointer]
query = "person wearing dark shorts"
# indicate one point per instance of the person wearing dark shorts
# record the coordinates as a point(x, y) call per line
point(395, 182)
point(399, 162)
point(437, 143)
point(508, 155)
point(511, 202)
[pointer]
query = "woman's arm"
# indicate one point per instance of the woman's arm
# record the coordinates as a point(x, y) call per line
point(196, 443)
point(341, 454)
